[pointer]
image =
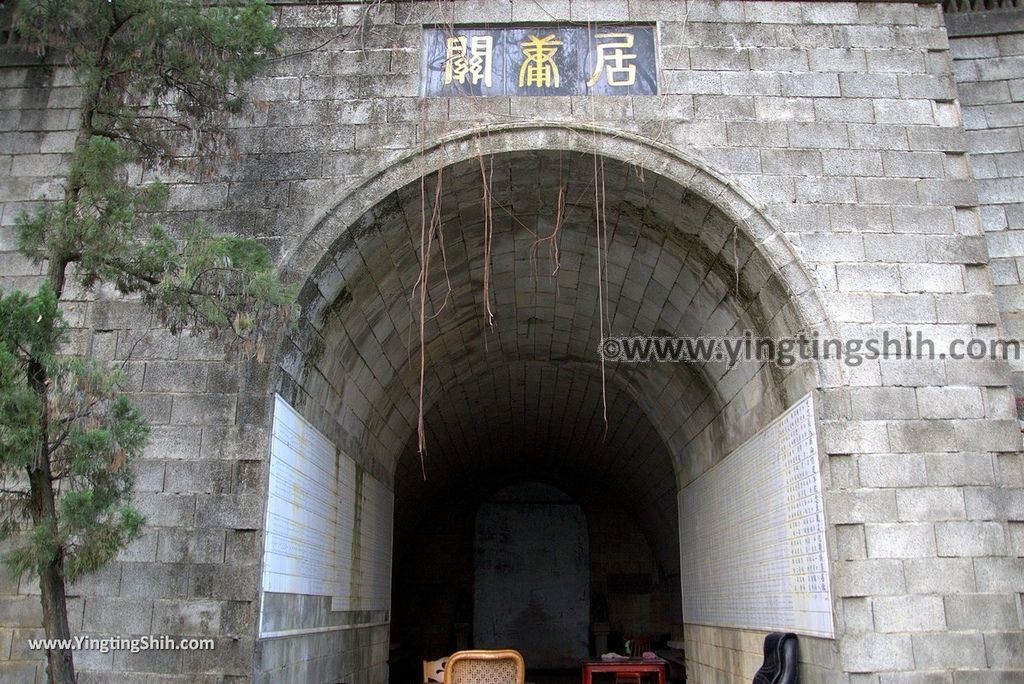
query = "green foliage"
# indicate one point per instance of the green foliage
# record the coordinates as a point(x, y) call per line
point(94, 225)
point(159, 80)
point(86, 430)
point(221, 283)
point(155, 71)
point(201, 281)
point(152, 70)
point(30, 330)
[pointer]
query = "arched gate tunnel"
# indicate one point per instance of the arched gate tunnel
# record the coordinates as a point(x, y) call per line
point(524, 397)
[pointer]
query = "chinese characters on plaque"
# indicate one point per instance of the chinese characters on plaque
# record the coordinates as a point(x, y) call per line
point(539, 60)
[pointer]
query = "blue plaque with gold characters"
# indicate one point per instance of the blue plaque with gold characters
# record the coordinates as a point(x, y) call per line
point(478, 61)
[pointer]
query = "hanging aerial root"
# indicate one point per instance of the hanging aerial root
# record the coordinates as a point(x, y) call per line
point(427, 230)
point(485, 178)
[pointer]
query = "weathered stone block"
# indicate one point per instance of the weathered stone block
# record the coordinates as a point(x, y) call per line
point(930, 503)
point(970, 539)
point(949, 650)
point(112, 315)
point(791, 162)
point(201, 545)
point(20, 611)
point(895, 248)
point(900, 540)
point(950, 402)
point(879, 403)
point(167, 510)
point(873, 652)
point(939, 575)
point(173, 442)
point(203, 409)
point(981, 612)
point(994, 503)
point(224, 582)
point(238, 618)
point(855, 163)
point(308, 17)
point(197, 477)
point(187, 617)
point(238, 511)
point(1005, 649)
point(228, 657)
point(117, 616)
point(558, 10)
point(777, 109)
point(931, 278)
point(844, 437)
point(149, 476)
point(935, 138)
point(912, 112)
point(810, 85)
point(104, 582)
point(892, 470)
point(921, 436)
point(154, 580)
point(861, 218)
point(241, 442)
point(844, 110)
point(143, 549)
point(869, 577)
point(908, 613)
point(991, 435)
point(154, 661)
point(862, 505)
point(828, 247)
point(996, 575)
point(19, 671)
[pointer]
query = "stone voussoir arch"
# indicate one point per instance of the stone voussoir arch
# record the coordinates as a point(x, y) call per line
point(304, 260)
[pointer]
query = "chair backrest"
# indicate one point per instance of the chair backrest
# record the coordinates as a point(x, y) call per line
point(433, 670)
point(781, 657)
point(640, 645)
point(485, 667)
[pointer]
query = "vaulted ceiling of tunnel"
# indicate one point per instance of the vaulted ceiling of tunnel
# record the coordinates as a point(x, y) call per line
point(522, 393)
point(525, 421)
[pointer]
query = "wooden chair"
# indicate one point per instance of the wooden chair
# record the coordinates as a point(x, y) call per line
point(433, 670)
point(638, 646)
point(641, 645)
point(485, 667)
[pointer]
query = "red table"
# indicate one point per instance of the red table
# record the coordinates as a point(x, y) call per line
point(631, 665)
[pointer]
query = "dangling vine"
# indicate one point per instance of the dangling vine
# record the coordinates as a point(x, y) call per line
point(485, 181)
point(551, 240)
point(427, 232)
point(431, 230)
point(601, 227)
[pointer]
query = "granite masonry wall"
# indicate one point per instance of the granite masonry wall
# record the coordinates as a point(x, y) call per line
point(822, 149)
point(988, 62)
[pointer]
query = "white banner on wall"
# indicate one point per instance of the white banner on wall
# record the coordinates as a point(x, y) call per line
point(329, 523)
point(752, 534)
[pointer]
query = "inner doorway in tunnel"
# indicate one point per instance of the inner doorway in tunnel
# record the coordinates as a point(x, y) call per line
point(516, 423)
point(531, 563)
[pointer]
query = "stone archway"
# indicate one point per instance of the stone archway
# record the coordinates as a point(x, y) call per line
point(686, 254)
point(302, 260)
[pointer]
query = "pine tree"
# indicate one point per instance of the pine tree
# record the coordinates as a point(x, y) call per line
point(159, 80)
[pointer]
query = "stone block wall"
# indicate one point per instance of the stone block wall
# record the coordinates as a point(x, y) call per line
point(838, 121)
point(988, 61)
point(341, 655)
